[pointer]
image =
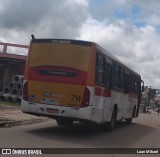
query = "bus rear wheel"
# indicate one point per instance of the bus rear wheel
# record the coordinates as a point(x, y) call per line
point(66, 122)
point(129, 121)
point(111, 125)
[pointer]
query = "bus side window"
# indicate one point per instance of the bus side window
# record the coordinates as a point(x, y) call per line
point(130, 83)
point(100, 68)
point(139, 86)
point(122, 79)
point(126, 82)
point(108, 75)
point(116, 76)
point(133, 84)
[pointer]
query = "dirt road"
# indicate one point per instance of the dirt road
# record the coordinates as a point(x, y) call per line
point(144, 133)
point(12, 116)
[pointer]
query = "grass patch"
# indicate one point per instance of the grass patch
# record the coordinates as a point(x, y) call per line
point(6, 103)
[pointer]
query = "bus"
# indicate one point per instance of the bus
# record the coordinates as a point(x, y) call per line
point(75, 80)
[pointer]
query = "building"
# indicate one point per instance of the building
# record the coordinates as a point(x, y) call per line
point(10, 64)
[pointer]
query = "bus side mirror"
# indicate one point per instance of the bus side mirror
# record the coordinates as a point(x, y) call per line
point(142, 85)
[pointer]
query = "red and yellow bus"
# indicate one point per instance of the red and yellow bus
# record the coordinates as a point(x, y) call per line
point(73, 80)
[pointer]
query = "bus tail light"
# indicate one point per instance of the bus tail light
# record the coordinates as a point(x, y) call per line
point(25, 91)
point(86, 98)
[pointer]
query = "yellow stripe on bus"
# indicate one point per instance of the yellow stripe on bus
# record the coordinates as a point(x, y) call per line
point(54, 55)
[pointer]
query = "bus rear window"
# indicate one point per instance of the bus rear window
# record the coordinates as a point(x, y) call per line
point(57, 75)
point(100, 68)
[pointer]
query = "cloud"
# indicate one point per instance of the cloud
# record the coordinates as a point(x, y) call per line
point(136, 47)
point(56, 19)
point(65, 20)
point(128, 29)
point(22, 14)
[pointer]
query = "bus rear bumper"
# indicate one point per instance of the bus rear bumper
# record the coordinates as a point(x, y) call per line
point(52, 111)
point(25, 106)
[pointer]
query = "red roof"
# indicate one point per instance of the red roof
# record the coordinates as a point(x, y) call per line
point(13, 56)
point(6, 55)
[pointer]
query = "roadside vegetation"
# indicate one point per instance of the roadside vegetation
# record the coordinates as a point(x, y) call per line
point(6, 103)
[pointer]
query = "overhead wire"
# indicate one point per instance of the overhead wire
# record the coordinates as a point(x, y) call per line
point(142, 7)
point(155, 79)
point(151, 4)
point(146, 6)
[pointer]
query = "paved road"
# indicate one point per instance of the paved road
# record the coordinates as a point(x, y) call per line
point(144, 133)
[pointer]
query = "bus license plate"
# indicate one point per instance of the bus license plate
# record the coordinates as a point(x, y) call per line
point(50, 101)
point(52, 110)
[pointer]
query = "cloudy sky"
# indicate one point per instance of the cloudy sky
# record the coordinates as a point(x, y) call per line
point(130, 29)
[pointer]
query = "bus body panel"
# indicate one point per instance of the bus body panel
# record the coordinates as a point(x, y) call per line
point(103, 106)
point(61, 74)
point(55, 93)
point(65, 55)
point(54, 111)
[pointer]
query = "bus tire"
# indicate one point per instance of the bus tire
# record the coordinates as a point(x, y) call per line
point(129, 121)
point(65, 122)
point(111, 125)
point(134, 112)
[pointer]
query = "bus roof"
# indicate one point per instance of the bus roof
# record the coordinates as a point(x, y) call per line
point(63, 41)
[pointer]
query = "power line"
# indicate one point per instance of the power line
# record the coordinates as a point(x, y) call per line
point(158, 79)
point(151, 4)
point(142, 7)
